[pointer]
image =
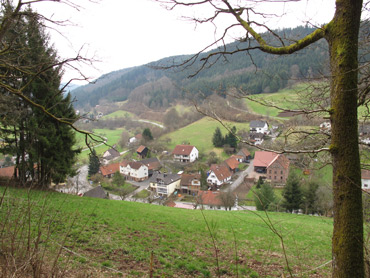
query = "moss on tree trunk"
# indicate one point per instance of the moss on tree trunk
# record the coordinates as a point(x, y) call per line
point(342, 36)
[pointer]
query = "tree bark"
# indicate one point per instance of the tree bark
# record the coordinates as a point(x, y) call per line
point(347, 243)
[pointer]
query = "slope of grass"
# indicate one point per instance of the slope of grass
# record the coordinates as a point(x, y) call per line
point(200, 133)
point(123, 235)
point(118, 114)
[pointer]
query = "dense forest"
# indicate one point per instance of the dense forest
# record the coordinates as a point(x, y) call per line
point(158, 88)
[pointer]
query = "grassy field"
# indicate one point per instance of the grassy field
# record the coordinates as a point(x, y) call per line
point(117, 238)
point(200, 133)
point(118, 114)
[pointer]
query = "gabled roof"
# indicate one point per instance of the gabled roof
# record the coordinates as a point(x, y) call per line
point(136, 165)
point(166, 178)
point(183, 150)
point(186, 179)
point(109, 169)
point(244, 152)
point(113, 152)
point(97, 192)
point(221, 171)
point(141, 149)
point(210, 198)
point(124, 163)
point(257, 123)
point(263, 159)
point(152, 163)
point(232, 162)
point(7, 171)
point(365, 174)
point(282, 160)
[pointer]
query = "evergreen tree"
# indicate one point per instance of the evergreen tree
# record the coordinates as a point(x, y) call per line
point(94, 163)
point(292, 193)
point(264, 197)
point(217, 139)
point(230, 138)
point(309, 197)
point(203, 180)
point(147, 134)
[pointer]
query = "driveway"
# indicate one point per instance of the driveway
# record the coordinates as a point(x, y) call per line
point(240, 179)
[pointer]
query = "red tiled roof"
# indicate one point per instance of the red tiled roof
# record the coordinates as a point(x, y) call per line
point(7, 171)
point(211, 198)
point(140, 149)
point(365, 174)
point(109, 169)
point(183, 150)
point(221, 171)
point(232, 162)
point(282, 160)
point(263, 159)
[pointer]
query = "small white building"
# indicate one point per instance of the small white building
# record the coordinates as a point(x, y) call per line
point(185, 153)
point(365, 179)
point(259, 127)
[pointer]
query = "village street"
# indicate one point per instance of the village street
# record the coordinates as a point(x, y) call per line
point(240, 179)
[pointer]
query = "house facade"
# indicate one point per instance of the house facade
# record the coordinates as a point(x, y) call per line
point(142, 151)
point(164, 184)
point(185, 153)
point(134, 171)
point(219, 174)
point(109, 155)
point(275, 166)
point(365, 179)
point(190, 184)
point(258, 126)
point(245, 154)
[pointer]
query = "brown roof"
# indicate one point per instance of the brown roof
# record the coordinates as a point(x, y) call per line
point(232, 162)
point(365, 174)
point(263, 159)
point(245, 152)
point(221, 171)
point(282, 160)
point(152, 163)
point(183, 150)
point(135, 165)
point(209, 198)
point(140, 149)
point(109, 169)
point(138, 136)
point(7, 171)
point(97, 192)
point(186, 179)
point(124, 163)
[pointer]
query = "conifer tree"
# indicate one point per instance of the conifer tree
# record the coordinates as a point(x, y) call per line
point(94, 163)
point(292, 193)
point(217, 139)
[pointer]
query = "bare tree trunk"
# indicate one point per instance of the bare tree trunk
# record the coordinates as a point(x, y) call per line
point(347, 245)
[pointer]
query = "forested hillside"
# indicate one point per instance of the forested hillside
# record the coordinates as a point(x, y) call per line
point(157, 88)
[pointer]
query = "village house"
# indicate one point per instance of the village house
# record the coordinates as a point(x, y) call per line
point(153, 164)
point(190, 184)
point(185, 153)
point(108, 171)
point(258, 126)
point(232, 163)
point(215, 200)
point(142, 151)
point(256, 138)
point(164, 184)
point(109, 155)
point(245, 154)
point(134, 170)
point(7, 172)
point(275, 166)
point(365, 179)
point(219, 174)
point(135, 139)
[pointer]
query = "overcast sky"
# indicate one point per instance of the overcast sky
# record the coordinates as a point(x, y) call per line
point(126, 33)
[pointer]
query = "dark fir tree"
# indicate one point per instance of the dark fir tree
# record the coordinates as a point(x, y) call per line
point(292, 193)
point(147, 134)
point(217, 139)
point(309, 197)
point(264, 196)
point(230, 138)
point(94, 163)
point(203, 180)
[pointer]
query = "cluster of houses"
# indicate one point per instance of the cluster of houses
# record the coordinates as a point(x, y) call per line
point(257, 131)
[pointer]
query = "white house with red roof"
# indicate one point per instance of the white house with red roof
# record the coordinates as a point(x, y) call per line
point(185, 153)
point(219, 174)
point(275, 166)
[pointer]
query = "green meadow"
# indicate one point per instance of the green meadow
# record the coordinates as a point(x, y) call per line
point(200, 133)
point(118, 114)
point(128, 239)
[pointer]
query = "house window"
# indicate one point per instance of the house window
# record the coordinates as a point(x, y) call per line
point(281, 177)
point(365, 185)
point(275, 172)
point(270, 172)
point(281, 172)
point(270, 177)
point(275, 178)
